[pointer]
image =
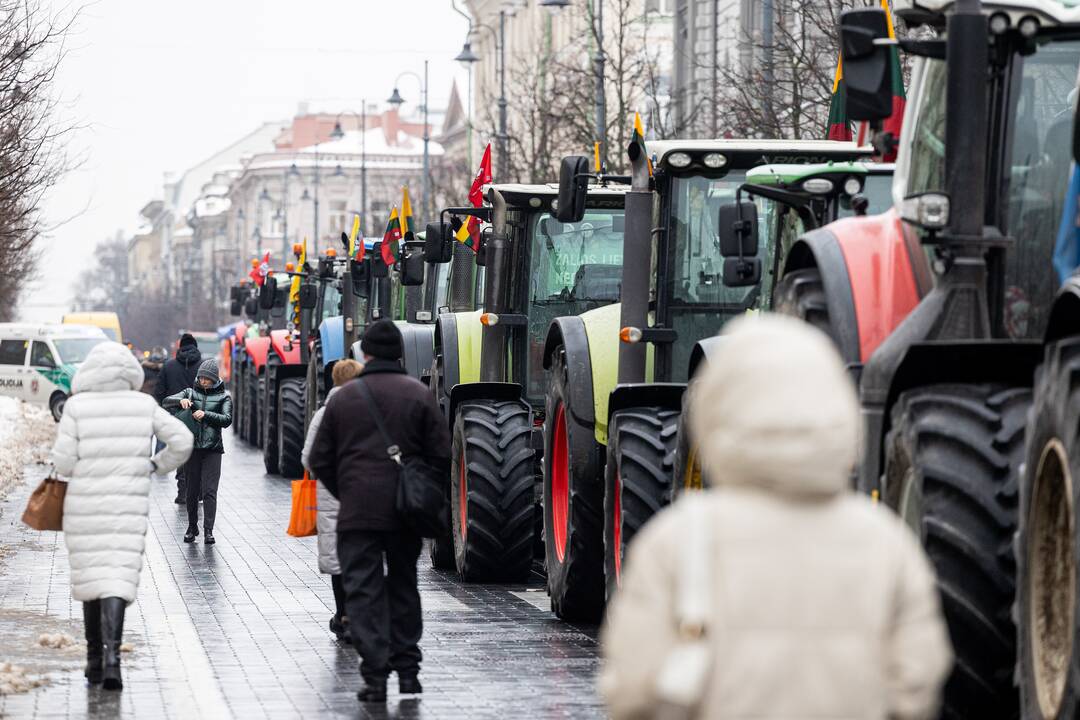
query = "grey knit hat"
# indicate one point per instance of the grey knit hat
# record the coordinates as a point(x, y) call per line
point(208, 369)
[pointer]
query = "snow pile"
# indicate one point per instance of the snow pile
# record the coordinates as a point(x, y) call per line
point(13, 679)
point(57, 641)
point(26, 436)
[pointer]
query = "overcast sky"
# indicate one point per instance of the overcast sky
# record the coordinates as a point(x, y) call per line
point(159, 86)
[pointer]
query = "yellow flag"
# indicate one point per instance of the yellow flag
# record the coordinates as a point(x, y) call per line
point(352, 238)
point(406, 213)
point(294, 287)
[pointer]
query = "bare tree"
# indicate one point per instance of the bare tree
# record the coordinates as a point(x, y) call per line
point(31, 153)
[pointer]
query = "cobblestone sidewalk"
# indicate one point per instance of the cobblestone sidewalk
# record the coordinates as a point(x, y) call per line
point(239, 629)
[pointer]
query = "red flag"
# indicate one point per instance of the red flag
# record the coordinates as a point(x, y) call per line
point(258, 274)
point(470, 231)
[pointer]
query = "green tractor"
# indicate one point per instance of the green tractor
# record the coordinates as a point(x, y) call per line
point(618, 373)
point(488, 373)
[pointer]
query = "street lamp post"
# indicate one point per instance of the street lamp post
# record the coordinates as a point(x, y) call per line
point(596, 8)
point(337, 134)
point(285, 246)
point(467, 56)
point(396, 100)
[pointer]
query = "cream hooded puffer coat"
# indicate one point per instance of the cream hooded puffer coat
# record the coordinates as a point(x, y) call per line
point(823, 604)
point(328, 505)
point(103, 450)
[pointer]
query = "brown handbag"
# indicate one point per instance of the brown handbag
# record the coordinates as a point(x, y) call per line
point(45, 508)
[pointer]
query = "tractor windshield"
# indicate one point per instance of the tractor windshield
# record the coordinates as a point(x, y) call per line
point(1039, 118)
point(331, 302)
point(574, 267)
point(695, 301)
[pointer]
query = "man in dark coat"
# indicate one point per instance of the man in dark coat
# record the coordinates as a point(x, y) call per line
point(350, 458)
point(179, 374)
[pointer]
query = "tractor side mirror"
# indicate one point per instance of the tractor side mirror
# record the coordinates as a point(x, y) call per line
point(345, 241)
point(437, 247)
point(740, 272)
point(236, 307)
point(251, 307)
point(378, 267)
point(867, 73)
point(267, 292)
point(412, 268)
point(309, 296)
point(738, 231)
point(573, 184)
point(326, 267)
point(234, 293)
point(358, 273)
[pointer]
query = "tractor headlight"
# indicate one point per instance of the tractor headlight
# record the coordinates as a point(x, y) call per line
point(818, 186)
point(714, 160)
point(928, 210)
point(678, 159)
point(852, 185)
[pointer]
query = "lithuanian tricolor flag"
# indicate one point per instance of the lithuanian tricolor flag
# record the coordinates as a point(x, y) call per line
point(899, 100)
point(391, 238)
point(838, 128)
point(406, 215)
point(356, 242)
point(637, 140)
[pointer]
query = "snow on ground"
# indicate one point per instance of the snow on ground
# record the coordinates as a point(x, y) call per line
point(26, 436)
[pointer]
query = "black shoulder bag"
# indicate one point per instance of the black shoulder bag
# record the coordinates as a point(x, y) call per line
point(421, 495)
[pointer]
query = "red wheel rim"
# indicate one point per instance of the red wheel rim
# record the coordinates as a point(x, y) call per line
point(463, 497)
point(560, 483)
point(616, 523)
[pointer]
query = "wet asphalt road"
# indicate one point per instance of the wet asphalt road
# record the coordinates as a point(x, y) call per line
point(240, 629)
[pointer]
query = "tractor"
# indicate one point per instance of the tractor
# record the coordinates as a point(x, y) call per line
point(961, 338)
point(618, 373)
point(266, 308)
point(488, 373)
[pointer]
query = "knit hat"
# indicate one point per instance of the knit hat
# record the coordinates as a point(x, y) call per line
point(382, 340)
point(208, 369)
point(187, 339)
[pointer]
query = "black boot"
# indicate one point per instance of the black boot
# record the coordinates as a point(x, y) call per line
point(374, 691)
point(189, 536)
point(112, 621)
point(409, 685)
point(94, 650)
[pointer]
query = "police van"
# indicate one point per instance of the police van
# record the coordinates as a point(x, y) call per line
point(37, 362)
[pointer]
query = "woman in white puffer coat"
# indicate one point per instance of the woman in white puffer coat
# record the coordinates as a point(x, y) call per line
point(102, 450)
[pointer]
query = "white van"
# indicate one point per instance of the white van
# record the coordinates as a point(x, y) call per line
point(37, 362)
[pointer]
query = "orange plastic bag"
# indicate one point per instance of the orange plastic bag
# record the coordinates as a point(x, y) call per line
point(304, 506)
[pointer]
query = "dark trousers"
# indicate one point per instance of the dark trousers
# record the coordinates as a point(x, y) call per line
point(383, 607)
point(202, 472)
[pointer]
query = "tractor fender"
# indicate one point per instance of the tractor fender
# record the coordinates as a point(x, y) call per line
point(291, 370)
point(873, 273)
point(569, 333)
point(286, 350)
point(1065, 312)
point(602, 329)
point(257, 349)
point(445, 346)
point(499, 392)
point(239, 332)
point(419, 348)
point(702, 352)
point(332, 339)
point(667, 396)
point(1009, 362)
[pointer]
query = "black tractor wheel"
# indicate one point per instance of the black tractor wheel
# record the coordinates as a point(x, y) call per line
point(312, 388)
point(237, 383)
point(801, 294)
point(686, 474)
point(251, 400)
point(637, 479)
point(573, 506)
point(441, 553)
point(1047, 544)
point(491, 491)
point(290, 427)
point(952, 458)
point(268, 418)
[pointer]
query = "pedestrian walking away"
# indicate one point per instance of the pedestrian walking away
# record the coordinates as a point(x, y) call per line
point(178, 374)
point(327, 514)
point(206, 408)
point(350, 458)
point(779, 592)
point(152, 367)
point(102, 450)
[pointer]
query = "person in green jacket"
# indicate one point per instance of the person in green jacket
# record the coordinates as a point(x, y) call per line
point(206, 409)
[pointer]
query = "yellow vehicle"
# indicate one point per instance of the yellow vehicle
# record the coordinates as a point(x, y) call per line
point(107, 321)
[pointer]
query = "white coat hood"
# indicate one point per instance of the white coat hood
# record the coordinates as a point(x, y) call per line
point(108, 366)
point(776, 410)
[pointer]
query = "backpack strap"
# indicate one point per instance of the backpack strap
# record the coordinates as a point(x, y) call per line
point(391, 449)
